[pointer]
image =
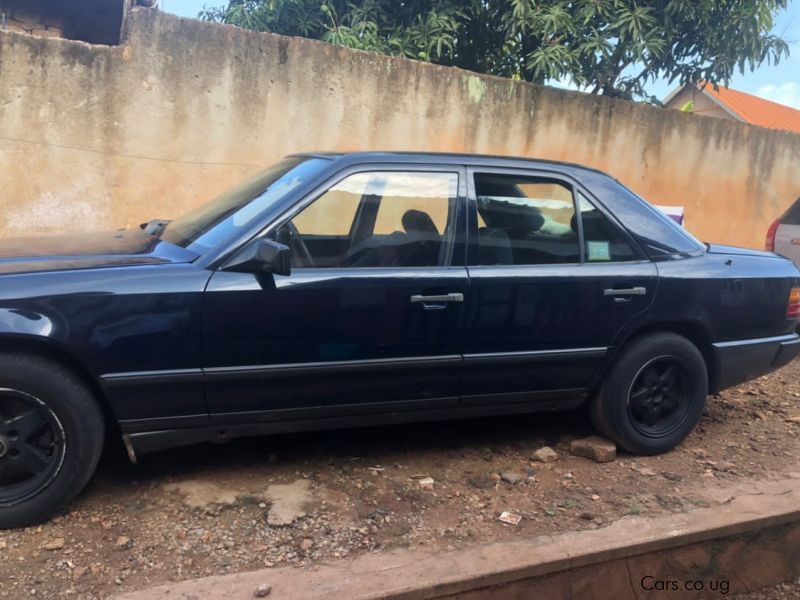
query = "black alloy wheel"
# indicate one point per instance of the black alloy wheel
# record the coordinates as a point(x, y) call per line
point(32, 443)
point(657, 398)
point(653, 395)
point(51, 435)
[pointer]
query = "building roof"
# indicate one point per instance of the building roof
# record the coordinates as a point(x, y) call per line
point(751, 109)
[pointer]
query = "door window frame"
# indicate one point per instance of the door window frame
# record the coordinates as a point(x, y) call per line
point(456, 256)
point(575, 188)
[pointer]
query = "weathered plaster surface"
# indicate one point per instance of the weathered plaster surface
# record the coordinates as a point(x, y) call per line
point(98, 137)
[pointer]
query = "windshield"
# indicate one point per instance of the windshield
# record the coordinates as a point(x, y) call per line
point(238, 208)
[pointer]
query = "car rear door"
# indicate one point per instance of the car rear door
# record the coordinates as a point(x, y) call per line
point(368, 322)
point(553, 279)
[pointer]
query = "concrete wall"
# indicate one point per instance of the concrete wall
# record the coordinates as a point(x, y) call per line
point(98, 137)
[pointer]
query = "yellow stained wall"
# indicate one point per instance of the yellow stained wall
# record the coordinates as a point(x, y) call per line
point(96, 137)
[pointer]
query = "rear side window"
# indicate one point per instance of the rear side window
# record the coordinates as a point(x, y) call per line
point(659, 235)
point(792, 215)
point(525, 221)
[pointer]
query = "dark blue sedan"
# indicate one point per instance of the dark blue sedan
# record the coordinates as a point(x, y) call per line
point(348, 290)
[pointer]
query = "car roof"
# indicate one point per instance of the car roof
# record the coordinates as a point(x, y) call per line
point(486, 160)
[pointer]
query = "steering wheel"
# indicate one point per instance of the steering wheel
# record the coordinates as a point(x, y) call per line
point(298, 246)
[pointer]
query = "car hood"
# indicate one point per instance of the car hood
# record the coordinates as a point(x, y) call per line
point(736, 251)
point(88, 251)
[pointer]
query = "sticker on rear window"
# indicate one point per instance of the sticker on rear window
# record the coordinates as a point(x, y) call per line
point(598, 251)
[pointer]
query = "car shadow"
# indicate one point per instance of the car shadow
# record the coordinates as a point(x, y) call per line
point(311, 451)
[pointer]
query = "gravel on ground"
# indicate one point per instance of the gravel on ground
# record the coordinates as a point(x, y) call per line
point(304, 498)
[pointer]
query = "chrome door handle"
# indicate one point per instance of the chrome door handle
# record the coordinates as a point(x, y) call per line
point(634, 291)
point(441, 298)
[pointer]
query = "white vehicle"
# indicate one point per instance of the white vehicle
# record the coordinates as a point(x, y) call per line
point(783, 235)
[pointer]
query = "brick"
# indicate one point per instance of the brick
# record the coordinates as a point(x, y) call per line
point(689, 561)
point(762, 567)
point(792, 538)
point(555, 587)
point(598, 582)
point(595, 447)
point(728, 558)
point(751, 566)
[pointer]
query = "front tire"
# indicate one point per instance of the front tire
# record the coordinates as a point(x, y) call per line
point(654, 394)
point(51, 437)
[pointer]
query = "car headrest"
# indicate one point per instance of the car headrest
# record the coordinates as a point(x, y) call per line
point(419, 222)
point(532, 220)
point(509, 216)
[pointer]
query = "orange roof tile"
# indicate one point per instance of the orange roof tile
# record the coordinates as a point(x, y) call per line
point(755, 110)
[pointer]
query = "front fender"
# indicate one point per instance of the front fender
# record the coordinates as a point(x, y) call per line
point(24, 322)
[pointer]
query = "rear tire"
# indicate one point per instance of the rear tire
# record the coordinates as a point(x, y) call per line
point(51, 436)
point(653, 396)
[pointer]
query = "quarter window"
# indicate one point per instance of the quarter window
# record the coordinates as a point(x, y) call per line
point(660, 236)
point(525, 221)
point(377, 219)
point(603, 241)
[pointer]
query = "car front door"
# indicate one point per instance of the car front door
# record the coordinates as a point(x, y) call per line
point(553, 279)
point(370, 318)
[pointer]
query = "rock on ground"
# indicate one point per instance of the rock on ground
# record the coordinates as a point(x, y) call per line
point(54, 544)
point(545, 454)
point(511, 477)
point(595, 447)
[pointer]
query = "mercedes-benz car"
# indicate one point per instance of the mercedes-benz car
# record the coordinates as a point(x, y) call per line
point(344, 290)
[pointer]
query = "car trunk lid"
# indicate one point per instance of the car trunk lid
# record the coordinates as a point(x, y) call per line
point(737, 251)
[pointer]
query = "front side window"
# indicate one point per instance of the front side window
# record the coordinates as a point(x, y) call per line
point(525, 221)
point(376, 219)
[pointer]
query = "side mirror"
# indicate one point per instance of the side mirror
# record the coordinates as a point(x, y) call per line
point(261, 256)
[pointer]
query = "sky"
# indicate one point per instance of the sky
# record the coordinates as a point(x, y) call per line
point(779, 83)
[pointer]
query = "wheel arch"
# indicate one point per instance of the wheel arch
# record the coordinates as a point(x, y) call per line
point(52, 350)
point(695, 331)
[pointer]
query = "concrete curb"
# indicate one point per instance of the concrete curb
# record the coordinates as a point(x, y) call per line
point(720, 542)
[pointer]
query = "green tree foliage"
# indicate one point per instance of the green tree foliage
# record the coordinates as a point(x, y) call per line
point(609, 47)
